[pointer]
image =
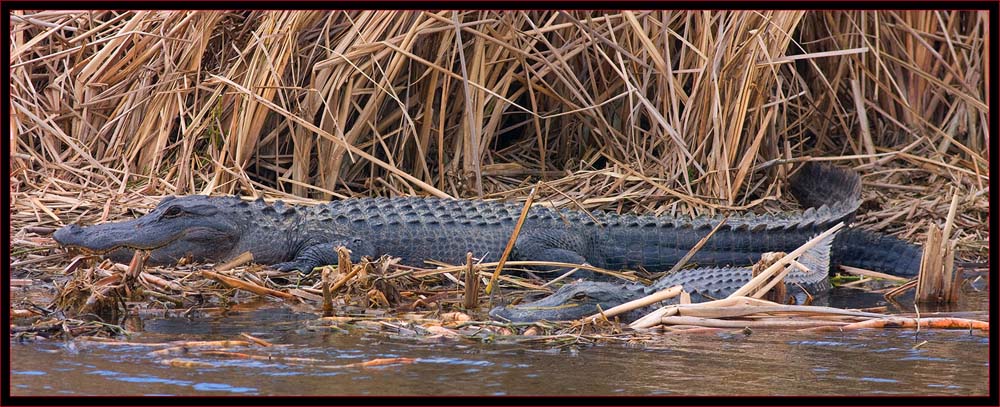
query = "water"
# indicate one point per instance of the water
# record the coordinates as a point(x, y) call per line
point(766, 362)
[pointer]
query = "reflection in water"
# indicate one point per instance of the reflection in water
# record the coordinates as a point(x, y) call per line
point(763, 363)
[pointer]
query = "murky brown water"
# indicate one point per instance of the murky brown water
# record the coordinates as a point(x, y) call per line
point(869, 362)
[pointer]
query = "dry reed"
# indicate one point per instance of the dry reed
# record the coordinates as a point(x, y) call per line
point(617, 110)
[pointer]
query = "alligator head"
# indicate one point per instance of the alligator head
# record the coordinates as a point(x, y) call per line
point(176, 228)
point(572, 301)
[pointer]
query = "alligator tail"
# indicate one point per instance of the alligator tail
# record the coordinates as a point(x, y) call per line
point(817, 184)
point(878, 252)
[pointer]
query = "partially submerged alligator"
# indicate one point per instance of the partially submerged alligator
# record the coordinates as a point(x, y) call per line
point(215, 229)
point(581, 298)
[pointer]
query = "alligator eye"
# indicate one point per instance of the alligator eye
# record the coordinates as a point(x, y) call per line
point(580, 296)
point(173, 212)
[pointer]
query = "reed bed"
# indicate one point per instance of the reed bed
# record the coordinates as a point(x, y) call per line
point(659, 112)
point(652, 111)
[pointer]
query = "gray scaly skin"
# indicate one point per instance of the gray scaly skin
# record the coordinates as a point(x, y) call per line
point(216, 229)
point(850, 246)
point(582, 298)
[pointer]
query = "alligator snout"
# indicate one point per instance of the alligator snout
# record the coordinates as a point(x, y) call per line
point(501, 313)
point(65, 234)
point(97, 238)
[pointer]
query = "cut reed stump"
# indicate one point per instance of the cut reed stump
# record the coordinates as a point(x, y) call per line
point(471, 297)
point(938, 281)
point(779, 291)
point(325, 277)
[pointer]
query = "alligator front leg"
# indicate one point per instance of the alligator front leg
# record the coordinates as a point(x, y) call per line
point(323, 254)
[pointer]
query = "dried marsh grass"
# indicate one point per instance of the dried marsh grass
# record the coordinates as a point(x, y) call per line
point(650, 111)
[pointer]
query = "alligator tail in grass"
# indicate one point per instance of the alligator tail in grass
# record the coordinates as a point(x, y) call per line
point(582, 298)
point(215, 229)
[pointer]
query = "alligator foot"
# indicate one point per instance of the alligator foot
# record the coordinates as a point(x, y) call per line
point(303, 266)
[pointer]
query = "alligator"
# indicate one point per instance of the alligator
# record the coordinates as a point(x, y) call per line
point(582, 298)
point(287, 237)
point(849, 246)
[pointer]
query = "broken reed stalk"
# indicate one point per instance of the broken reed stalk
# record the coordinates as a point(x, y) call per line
point(907, 322)
point(256, 340)
point(327, 296)
point(99, 293)
point(246, 285)
point(22, 313)
point(20, 282)
point(903, 322)
point(740, 311)
point(131, 276)
point(803, 317)
point(874, 274)
point(345, 268)
point(185, 347)
point(243, 258)
point(159, 282)
point(937, 281)
point(654, 298)
point(781, 263)
point(777, 282)
point(471, 298)
point(723, 323)
point(895, 292)
point(108, 294)
point(653, 318)
point(562, 277)
point(513, 238)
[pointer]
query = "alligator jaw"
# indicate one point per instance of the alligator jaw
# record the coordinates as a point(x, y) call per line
point(100, 252)
point(572, 301)
point(166, 244)
point(104, 239)
point(511, 313)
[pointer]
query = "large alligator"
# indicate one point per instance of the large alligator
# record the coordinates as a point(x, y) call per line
point(582, 298)
point(214, 229)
